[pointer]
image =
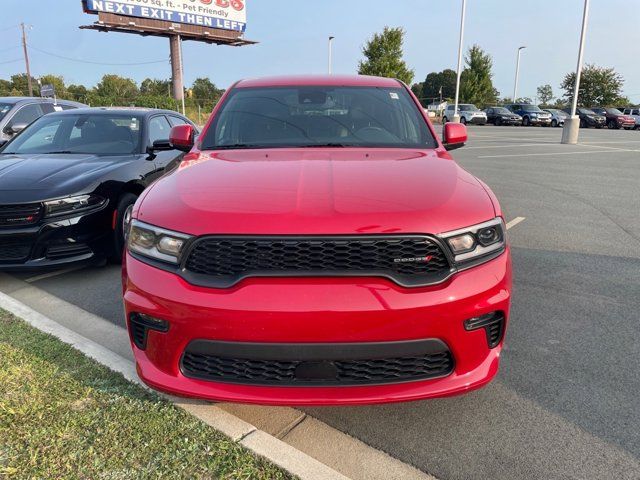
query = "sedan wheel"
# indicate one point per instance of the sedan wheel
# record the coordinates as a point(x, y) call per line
point(526, 122)
point(611, 124)
point(463, 121)
point(554, 123)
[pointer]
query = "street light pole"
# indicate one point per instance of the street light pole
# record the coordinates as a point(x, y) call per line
point(571, 128)
point(515, 87)
point(456, 115)
point(331, 55)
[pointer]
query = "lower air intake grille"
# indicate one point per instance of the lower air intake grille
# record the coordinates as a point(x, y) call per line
point(407, 260)
point(316, 372)
point(14, 250)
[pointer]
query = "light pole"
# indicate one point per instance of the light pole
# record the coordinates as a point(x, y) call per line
point(571, 128)
point(515, 87)
point(456, 115)
point(331, 55)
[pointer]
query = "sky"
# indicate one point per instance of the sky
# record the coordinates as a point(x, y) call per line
point(293, 40)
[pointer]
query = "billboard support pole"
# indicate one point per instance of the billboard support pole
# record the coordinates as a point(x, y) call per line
point(176, 68)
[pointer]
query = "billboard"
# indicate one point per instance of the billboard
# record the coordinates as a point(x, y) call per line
point(222, 14)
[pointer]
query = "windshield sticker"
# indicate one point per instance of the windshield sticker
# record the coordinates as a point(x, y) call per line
point(394, 96)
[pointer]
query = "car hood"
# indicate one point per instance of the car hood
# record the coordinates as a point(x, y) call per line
point(293, 191)
point(33, 178)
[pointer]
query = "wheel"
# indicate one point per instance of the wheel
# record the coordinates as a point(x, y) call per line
point(444, 120)
point(463, 121)
point(612, 125)
point(497, 122)
point(122, 217)
point(554, 123)
point(583, 124)
point(526, 122)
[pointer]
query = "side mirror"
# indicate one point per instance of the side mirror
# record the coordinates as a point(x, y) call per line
point(182, 138)
point(161, 146)
point(454, 136)
point(15, 129)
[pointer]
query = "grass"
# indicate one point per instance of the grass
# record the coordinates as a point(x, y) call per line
point(62, 415)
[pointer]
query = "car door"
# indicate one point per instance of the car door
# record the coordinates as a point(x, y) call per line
point(159, 129)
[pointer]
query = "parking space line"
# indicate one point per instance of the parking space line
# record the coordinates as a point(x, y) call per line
point(44, 276)
point(541, 144)
point(611, 150)
point(515, 221)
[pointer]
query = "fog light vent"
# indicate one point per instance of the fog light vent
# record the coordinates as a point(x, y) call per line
point(139, 326)
point(493, 324)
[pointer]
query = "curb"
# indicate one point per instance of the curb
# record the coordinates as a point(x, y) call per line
point(257, 441)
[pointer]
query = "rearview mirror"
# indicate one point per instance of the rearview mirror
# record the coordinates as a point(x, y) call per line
point(182, 137)
point(454, 136)
point(15, 129)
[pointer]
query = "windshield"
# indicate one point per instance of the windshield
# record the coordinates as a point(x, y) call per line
point(586, 111)
point(115, 134)
point(4, 109)
point(468, 108)
point(531, 108)
point(613, 111)
point(318, 116)
point(502, 110)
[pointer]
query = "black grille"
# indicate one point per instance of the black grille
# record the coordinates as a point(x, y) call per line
point(493, 325)
point(14, 249)
point(408, 260)
point(336, 372)
point(70, 250)
point(20, 215)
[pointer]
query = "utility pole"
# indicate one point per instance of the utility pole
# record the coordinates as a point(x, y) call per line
point(456, 115)
point(26, 58)
point(571, 129)
point(515, 88)
point(176, 69)
point(331, 55)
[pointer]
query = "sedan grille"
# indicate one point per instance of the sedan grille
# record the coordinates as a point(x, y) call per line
point(407, 260)
point(20, 215)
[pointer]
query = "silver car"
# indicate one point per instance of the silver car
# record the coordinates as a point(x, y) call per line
point(635, 113)
point(468, 112)
point(18, 112)
point(557, 117)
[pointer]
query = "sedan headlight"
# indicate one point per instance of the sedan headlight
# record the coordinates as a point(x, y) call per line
point(473, 243)
point(71, 205)
point(156, 243)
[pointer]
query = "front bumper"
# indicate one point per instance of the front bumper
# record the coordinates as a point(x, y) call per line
point(477, 120)
point(318, 311)
point(540, 121)
point(55, 242)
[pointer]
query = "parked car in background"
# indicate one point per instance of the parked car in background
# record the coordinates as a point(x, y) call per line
point(68, 179)
point(557, 116)
point(635, 113)
point(502, 116)
point(588, 118)
point(531, 114)
point(468, 112)
point(318, 245)
point(18, 112)
point(615, 118)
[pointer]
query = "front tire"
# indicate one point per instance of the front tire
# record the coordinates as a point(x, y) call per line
point(444, 120)
point(463, 121)
point(554, 123)
point(526, 122)
point(611, 124)
point(125, 204)
point(498, 122)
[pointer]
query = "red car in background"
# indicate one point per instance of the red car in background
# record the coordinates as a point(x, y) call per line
point(615, 118)
point(318, 245)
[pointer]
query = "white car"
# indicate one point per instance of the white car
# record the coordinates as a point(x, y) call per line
point(635, 113)
point(468, 112)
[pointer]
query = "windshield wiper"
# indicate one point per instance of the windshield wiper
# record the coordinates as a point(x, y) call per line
point(324, 145)
point(236, 146)
point(59, 152)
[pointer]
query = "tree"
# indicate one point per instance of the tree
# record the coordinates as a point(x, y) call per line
point(20, 84)
point(204, 90)
point(116, 88)
point(155, 87)
point(599, 86)
point(476, 84)
point(77, 92)
point(545, 94)
point(445, 79)
point(5, 87)
point(384, 56)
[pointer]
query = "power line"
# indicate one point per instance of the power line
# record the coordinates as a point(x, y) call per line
point(6, 29)
point(10, 48)
point(92, 62)
point(11, 61)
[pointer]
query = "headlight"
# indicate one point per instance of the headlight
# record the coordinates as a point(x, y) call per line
point(71, 205)
point(154, 242)
point(469, 244)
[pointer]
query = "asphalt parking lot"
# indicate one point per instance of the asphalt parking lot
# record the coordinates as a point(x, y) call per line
point(565, 404)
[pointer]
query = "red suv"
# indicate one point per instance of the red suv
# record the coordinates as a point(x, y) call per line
point(317, 245)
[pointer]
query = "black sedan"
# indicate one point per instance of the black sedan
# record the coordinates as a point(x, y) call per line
point(588, 118)
point(501, 116)
point(67, 181)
